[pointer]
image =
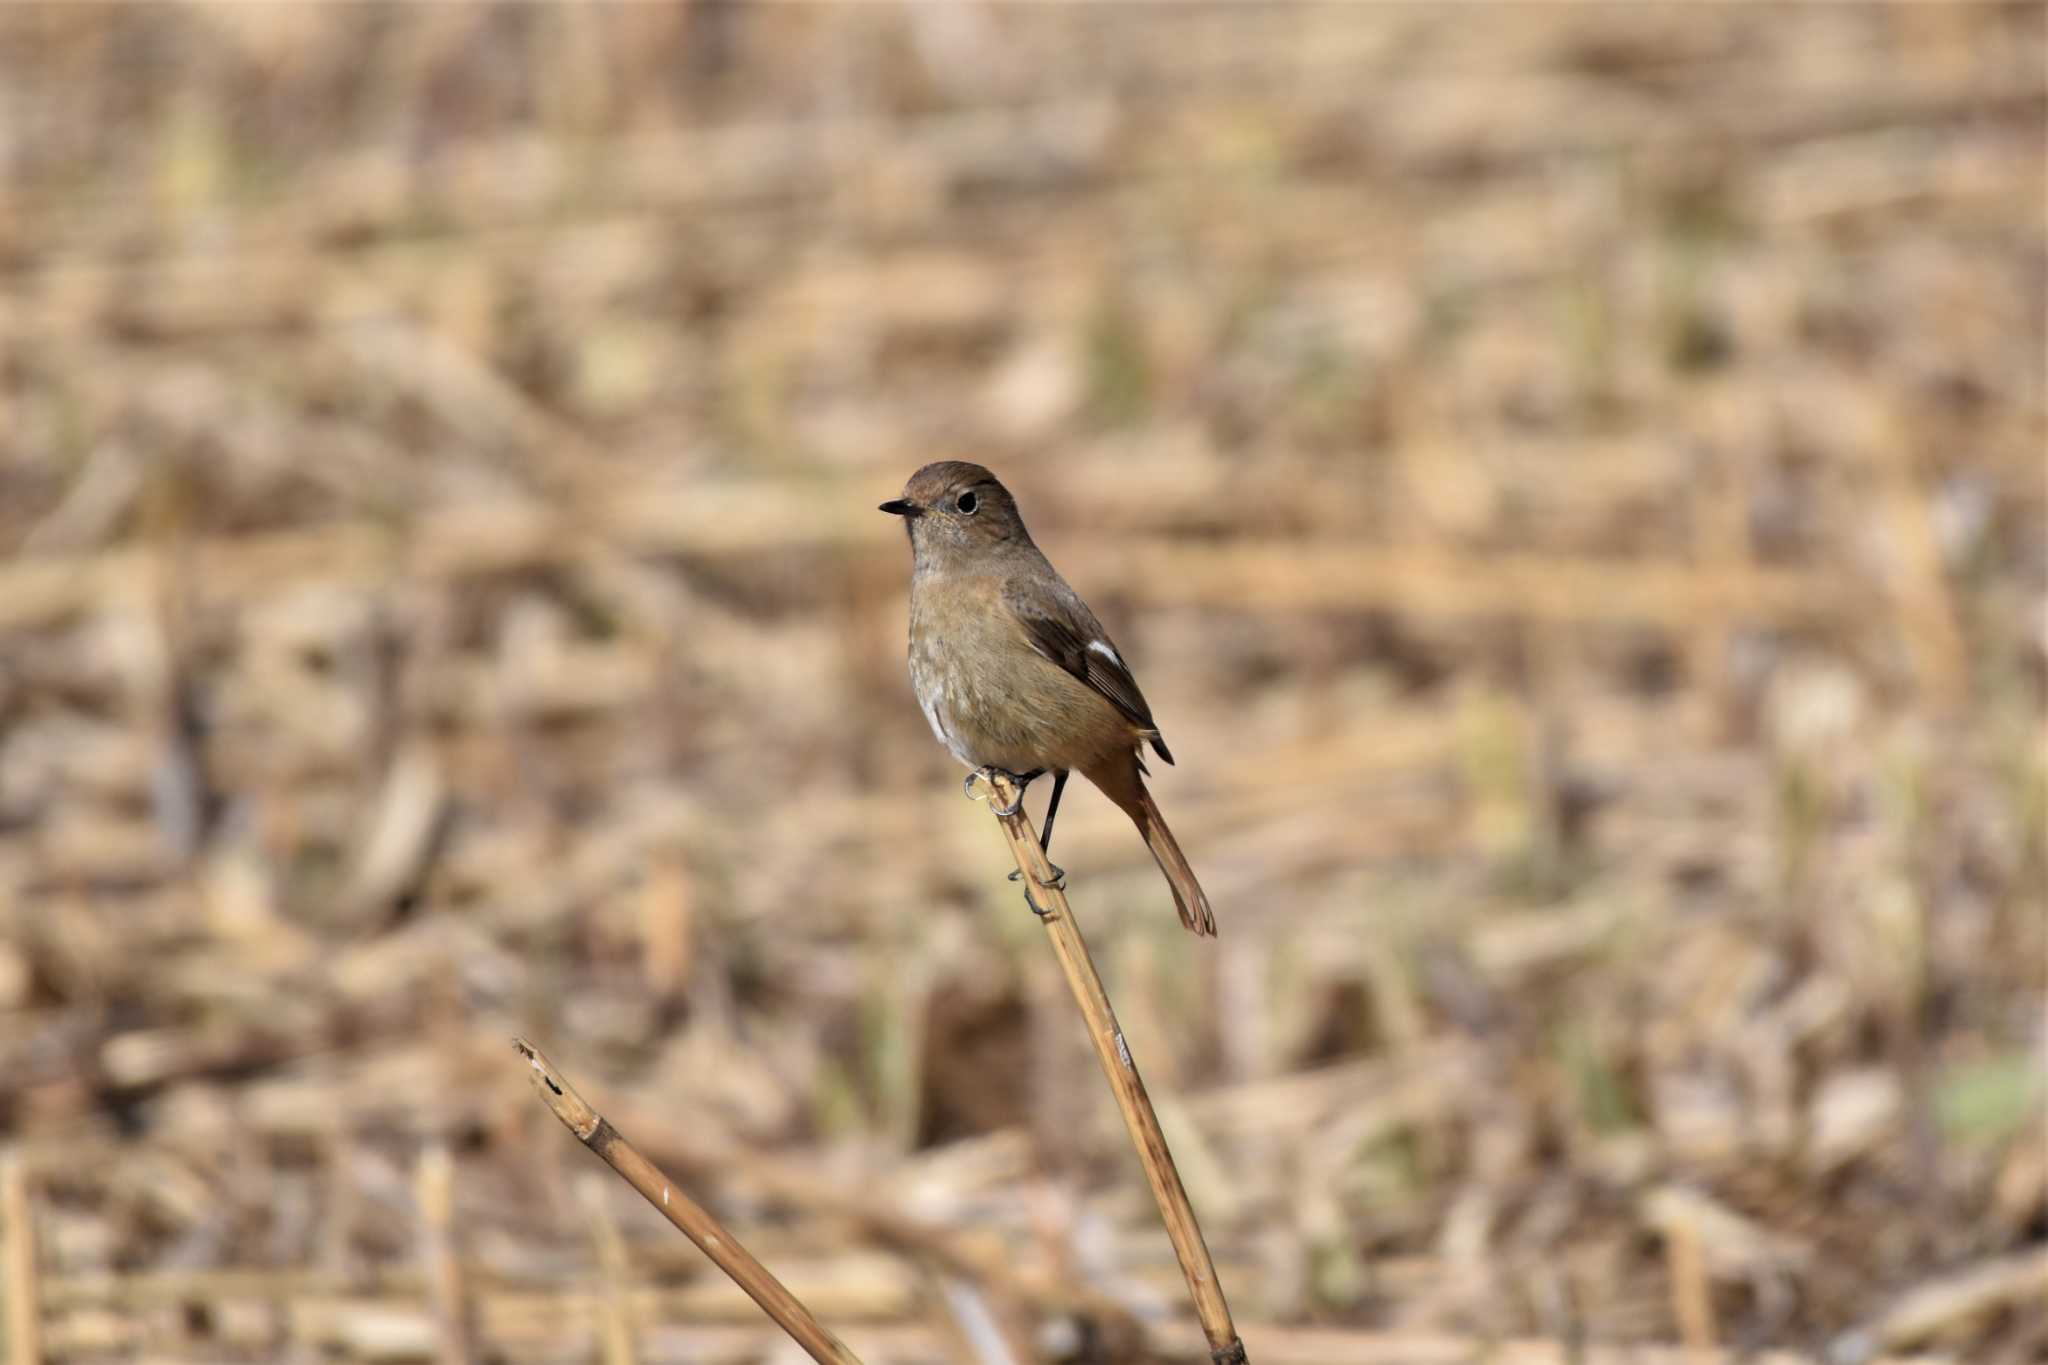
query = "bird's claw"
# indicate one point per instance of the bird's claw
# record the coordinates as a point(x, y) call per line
point(987, 773)
point(1058, 883)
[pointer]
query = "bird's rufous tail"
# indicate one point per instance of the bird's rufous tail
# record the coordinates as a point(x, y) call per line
point(1120, 781)
point(1188, 896)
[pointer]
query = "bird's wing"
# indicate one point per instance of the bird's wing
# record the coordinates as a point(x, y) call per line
point(1060, 626)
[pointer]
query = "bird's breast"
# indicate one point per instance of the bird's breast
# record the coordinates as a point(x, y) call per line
point(991, 698)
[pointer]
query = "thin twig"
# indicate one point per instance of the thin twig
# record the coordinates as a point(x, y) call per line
point(699, 1226)
point(1225, 1348)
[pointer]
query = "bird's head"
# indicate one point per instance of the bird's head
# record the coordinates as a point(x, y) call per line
point(955, 511)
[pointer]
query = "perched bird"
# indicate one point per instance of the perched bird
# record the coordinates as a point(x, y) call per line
point(1012, 669)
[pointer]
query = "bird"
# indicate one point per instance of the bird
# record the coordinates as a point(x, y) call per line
point(1013, 671)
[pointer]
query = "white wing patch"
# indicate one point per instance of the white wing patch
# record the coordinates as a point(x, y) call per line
point(1103, 648)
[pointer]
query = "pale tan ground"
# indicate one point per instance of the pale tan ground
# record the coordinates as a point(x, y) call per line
point(1569, 479)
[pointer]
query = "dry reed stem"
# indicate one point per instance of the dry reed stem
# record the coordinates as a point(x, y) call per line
point(693, 1221)
point(1692, 1301)
point(1121, 1069)
point(1285, 1344)
point(981, 1261)
point(613, 1262)
point(24, 1301)
point(434, 1181)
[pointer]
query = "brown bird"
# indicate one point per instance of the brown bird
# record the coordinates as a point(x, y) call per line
point(1012, 669)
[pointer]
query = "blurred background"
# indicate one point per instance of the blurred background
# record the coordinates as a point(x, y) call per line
point(1570, 479)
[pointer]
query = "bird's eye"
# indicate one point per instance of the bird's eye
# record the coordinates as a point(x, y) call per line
point(966, 503)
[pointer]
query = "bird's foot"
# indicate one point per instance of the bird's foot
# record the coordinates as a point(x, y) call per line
point(1058, 883)
point(987, 774)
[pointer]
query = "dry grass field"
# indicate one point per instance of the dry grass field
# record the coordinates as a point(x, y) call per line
point(1570, 478)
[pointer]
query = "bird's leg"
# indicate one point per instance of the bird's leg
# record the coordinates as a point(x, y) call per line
point(1059, 874)
point(1052, 808)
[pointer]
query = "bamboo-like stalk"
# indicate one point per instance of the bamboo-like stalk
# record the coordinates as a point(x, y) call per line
point(1225, 1347)
point(694, 1221)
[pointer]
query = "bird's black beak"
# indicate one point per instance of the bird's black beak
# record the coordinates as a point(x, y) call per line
point(901, 507)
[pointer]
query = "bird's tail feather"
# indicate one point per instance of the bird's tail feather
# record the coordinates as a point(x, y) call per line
point(1188, 896)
